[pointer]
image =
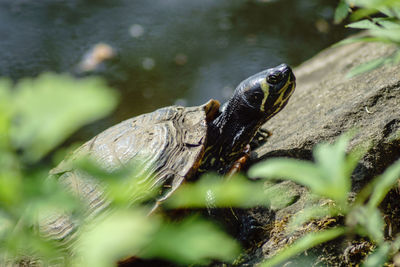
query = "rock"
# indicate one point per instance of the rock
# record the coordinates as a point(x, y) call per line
point(325, 105)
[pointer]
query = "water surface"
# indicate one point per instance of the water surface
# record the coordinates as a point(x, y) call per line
point(167, 51)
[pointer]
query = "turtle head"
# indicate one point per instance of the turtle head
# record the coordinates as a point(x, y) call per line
point(255, 100)
point(265, 93)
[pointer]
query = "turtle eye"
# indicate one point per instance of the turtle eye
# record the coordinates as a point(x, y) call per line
point(274, 78)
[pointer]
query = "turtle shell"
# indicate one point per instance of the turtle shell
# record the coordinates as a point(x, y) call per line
point(169, 141)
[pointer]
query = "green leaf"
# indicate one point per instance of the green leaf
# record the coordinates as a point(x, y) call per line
point(23, 243)
point(329, 177)
point(396, 57)
point(390, 34)
point(6, 225)
point(362, 13)
point(302, 172)
point(367, 222)
point(341, 11)
point(51, 107)
point(6, 113)
point(378, 257)
point(127, 186)
point(332, 161)
point(374, 225)
point(368, 7)
point(11, 180)
point(119, 234)
point(191, 241)
point(281, 195)
point(212, 189)
point(363, 24)
point(375, 24)
point(44, 196)
point(396, 244)
point(384, 183)
point(306, 242)
point(370, 65)
point(387, 23)
point(395, 11)
point(360, 39)
point(387, 11)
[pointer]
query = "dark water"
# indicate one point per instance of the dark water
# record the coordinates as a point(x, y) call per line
point(168, 51)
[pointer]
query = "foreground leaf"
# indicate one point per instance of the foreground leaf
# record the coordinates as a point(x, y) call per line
point(341, 11)
point(393, 35)
point(237, 192)
point(192, 241)
point(368, 66)
point(51, 107)
point(367, 222)
point(366, 39)
point(335, 167)
point(378, 257)
point(362, 13)
point(363, 24)
point(328, 177)
point(384, 183)
point(108, 239)
point(129, 185)
point(302, 172)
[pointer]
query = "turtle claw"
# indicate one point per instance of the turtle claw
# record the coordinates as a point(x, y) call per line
point(260, 138)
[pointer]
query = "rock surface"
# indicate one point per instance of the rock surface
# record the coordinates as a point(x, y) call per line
point(325, 105)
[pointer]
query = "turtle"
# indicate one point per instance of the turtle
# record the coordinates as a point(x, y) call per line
point(176, 143)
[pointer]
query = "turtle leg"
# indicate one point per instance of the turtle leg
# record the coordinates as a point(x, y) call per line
point(236, 167)
point(240, 221)
point(238, 164)
point(260, 138)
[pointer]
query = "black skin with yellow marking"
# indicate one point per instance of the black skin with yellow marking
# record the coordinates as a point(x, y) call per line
point(254, 101)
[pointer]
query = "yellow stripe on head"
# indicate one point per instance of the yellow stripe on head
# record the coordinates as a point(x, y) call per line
point(281, 92)
point(281, 101)
point(265, 89)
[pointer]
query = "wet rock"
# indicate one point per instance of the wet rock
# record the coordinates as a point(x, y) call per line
point(325, 105)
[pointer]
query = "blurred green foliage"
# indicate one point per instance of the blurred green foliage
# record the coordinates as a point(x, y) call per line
point(38, 114)
point(381, 19)
point(332, 167)
point(237, 192)
point(329, 177)
point(35, 116)
point(192, 240)
point(51, 107)
point(62, 104)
